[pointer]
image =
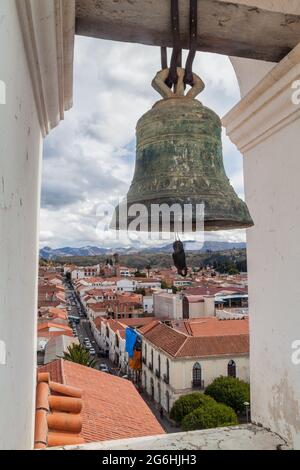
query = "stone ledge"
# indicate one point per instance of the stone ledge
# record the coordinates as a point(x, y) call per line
point(243, 437)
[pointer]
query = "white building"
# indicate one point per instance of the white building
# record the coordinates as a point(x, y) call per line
point(182, 283)
point(167, 305)
point(85, 272)
point(126, 285)
point(180, 362)
point(196, 306)
point(148, 283)
point(148, 303)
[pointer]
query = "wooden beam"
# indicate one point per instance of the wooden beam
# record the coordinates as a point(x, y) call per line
point(233, 29)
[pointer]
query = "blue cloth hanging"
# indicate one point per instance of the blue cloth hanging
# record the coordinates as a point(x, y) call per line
point(131, 337)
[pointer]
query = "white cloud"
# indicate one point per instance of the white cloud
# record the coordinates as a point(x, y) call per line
point(89, 159)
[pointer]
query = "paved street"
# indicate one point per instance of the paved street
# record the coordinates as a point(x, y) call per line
point(83, 328)
point(165, 422)
point(84, 331)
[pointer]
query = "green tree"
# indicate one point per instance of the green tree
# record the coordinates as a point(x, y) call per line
point(188, 403)
point(209, 415)
point(139, 274)
point(76, 353)
point(164, 285)
point(141, 291)
point(230, 391)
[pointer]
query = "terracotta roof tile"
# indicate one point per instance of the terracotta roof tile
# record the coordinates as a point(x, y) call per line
point(58, 420)
point(111, 406)
point(201, 337)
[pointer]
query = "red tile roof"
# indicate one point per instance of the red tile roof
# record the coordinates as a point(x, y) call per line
point(204, 337)
point(212, 326)
point(112, 407)
point(214, 290)
point(58, 419)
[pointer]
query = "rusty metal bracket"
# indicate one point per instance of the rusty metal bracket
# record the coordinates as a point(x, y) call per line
point(188, 78)
point(176, 54)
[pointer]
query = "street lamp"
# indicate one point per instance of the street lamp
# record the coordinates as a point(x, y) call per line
point(247, 408)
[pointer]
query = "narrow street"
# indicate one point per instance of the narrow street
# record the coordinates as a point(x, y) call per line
point(83, 328)
point(168, 426)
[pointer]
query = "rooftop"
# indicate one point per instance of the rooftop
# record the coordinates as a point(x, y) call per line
point(201, 338)
point(243, 437)
point(111, 406)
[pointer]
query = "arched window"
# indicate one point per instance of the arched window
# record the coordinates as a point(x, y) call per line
point(197, 374)
point(107, 332)
point(117, 341)
point(231, 368)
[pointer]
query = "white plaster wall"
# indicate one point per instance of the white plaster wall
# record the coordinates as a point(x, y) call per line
point(249, 72)
point(20, 165)
point(273, 194)
point(181, 372)
point(167, 305)
point(269, 133)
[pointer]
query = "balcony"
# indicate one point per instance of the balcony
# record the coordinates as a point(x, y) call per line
point(199, 384)
point(157, 373)
point(150, 365)
point(166, 379)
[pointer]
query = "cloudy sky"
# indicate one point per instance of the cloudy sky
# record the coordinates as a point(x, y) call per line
point(89, 159)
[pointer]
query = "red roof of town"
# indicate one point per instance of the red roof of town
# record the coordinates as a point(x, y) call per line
point(209, 339)
point(213, 290)
point(111, 406)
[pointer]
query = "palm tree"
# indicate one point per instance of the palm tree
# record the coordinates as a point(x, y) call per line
point(76, 353)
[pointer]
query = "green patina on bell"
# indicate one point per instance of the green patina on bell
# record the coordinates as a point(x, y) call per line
point(179, 159)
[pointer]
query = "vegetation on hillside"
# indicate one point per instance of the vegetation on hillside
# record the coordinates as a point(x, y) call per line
point(228, 261)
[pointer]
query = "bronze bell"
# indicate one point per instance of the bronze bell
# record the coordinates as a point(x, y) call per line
point(179, 160)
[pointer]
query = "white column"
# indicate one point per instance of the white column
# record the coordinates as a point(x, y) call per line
point(265, 126)
point(33, 71)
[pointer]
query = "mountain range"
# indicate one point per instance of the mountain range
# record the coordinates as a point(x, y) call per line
point(54, 253)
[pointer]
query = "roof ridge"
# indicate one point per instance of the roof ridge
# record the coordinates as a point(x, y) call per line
point(178, 350)
point(62, 371)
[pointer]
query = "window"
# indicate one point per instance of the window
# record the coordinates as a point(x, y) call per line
point(197, 374)
point(117, 341)
point(231, 368)
point(107, 332)
point(145, 381)
point(168, 369)
point(159, 364)
point(168, 402)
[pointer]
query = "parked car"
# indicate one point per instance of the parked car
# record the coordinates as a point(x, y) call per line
point(92, 352)
point(103, 368)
